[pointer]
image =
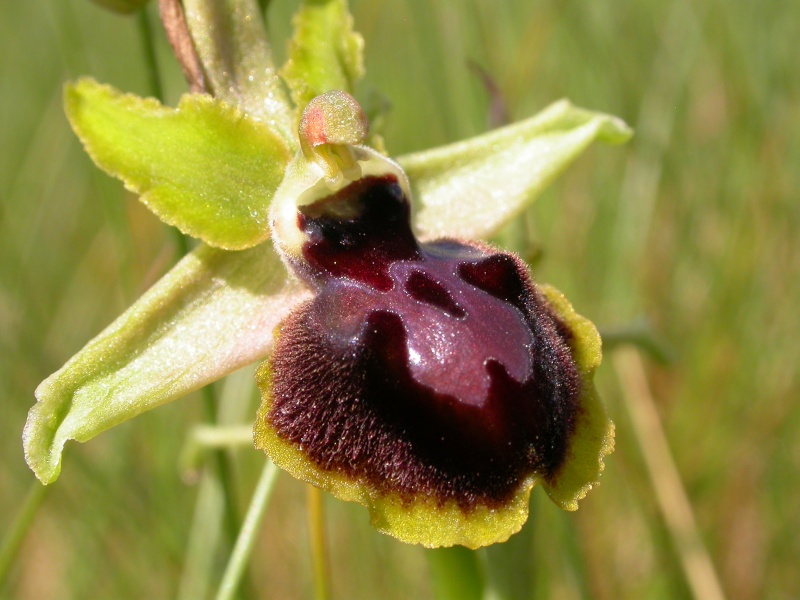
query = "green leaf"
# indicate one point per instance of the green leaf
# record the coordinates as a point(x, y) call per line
point(231, 41)
point(325, 53)
point(204, 167)
point(471, 189)
point(215, 312)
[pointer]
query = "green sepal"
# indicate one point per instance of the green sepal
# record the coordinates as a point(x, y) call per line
point(231, 42)
point(325, 53)
point(204, 167)
point(474, 187)
point(212, 314)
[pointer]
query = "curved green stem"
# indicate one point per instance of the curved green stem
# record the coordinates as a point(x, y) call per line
point(248, 534)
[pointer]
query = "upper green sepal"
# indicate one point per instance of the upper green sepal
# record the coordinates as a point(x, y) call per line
point(478, 185)
point(325, 53)
point(205, 167)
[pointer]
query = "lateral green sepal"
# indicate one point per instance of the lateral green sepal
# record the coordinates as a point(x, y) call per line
point(476, 186)
point(212, 314)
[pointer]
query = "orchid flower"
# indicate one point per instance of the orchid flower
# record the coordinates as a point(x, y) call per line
point(407, 365)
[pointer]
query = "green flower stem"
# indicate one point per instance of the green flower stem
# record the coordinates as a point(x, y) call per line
point(19, 528)
point(247, 535)
point(575, 555)
point(220, 459)
point(316, 534)
point(510, 565)
point(455, 573)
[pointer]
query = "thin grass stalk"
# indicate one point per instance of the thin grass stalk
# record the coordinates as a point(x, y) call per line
point(248, 533)
point(664, 477)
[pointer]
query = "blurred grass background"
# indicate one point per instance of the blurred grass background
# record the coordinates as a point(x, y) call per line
point(688, 232)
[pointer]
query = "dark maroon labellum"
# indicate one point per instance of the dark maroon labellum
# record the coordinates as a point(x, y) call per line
point(432, 368)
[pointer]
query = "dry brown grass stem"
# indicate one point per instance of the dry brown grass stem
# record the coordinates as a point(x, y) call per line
point(664, 476)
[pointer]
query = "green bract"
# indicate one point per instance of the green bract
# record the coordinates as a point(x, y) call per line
point(211, 167)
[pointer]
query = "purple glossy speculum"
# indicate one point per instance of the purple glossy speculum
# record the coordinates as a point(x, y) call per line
point(452, 375)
